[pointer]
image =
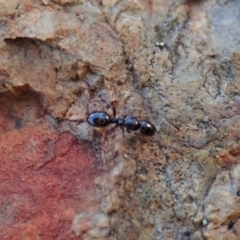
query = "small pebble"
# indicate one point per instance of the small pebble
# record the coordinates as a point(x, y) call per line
point(204, 222)
point(159, 44)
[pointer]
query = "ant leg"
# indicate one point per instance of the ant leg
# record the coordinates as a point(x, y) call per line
point(108, 131)
point(114, 111)
point(174, 147)
point(123, 131)
point(128, 130)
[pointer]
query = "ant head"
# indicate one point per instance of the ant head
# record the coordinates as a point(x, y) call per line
point(147, 128)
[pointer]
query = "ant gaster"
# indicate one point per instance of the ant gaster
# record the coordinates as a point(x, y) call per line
point(102, 119)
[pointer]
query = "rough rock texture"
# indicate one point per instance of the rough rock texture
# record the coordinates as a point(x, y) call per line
point(176, 63)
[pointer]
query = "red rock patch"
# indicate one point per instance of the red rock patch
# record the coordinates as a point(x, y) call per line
point(45, 179)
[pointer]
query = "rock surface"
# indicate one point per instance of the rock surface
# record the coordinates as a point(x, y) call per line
point(176, 63)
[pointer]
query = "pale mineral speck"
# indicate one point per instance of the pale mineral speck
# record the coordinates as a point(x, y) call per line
point(204, 222)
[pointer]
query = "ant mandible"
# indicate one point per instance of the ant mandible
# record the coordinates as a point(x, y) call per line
point(102, 119)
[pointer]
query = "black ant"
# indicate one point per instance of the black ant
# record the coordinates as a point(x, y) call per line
point(102, 119)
